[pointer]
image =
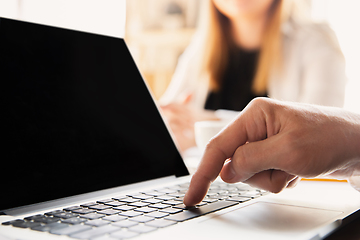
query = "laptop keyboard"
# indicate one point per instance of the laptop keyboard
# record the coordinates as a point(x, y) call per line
point(124, 217)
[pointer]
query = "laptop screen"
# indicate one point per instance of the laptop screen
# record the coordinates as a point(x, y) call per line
point(76, 116)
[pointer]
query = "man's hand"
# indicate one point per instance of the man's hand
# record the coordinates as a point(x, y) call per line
point(272, 143)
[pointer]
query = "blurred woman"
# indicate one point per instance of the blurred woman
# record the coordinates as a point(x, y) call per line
point(248, 49)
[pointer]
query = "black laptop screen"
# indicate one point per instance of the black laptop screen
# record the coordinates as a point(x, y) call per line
point(76, 116)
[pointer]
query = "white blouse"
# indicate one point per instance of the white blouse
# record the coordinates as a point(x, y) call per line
point(313, 69)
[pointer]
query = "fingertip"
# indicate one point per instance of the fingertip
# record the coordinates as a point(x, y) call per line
point(189, 201)
point(196, 192)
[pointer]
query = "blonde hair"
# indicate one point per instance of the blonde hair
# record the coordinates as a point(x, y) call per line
point(218, 46)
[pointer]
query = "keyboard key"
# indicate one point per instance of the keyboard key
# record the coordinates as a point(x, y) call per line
point(25, 224)
point(129, 200)
point(145, 210)
point(185, 185)
point(239, 199)
point(141, 196)
point(115, 203)
point(159, 206)
point(109, 212)
point(171, 210)
point(199, 211)
point(69, 209)
point(100, 207)
point(114, 218)
point(154, 193)
point(95, 232)
point(30, 218)
point(124, 208)
point(83, 211)
point(182, 206)
point(263, 192)
point(231, 189)
point(12, 222)
point(74, 221)
point(160, 223)
point(105, 201)
point(251, 194)
point(241, 186)
point(48, 227)
point(45, 219)
point(209, 200)
point(124, 234)
point(65, 215)
point(165, 197)
point(157, 214)
point(97, 222)
point(88, 204)
point(142, 229)
point(119, 198)
point(142, 219)
point(70, 230)
point(130, 214)
point(139, 204)
point(153, 201)
point(200, 204)
point(172, 202)
point(166, 190)
point(92, 216)
point(125, 224)
point(212, 195)
point(177, 195)
point(178, 188)
point(53, 212)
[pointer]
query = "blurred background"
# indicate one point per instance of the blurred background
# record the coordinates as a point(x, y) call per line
point(158, 31)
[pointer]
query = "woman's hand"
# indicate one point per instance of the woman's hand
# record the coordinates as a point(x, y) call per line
point(181, 118)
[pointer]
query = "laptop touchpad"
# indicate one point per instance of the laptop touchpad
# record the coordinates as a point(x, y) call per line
point(266, 218)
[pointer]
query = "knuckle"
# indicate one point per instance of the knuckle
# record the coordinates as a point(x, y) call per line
point(262, 102)
point(259, 101)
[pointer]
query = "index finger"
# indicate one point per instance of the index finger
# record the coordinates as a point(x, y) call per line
point(250, 125)
point(209, 168)
point(217, 151)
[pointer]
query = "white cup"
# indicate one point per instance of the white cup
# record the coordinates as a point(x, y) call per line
point(205, 130)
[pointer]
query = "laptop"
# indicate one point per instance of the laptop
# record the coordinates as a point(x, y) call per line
point(87, 155)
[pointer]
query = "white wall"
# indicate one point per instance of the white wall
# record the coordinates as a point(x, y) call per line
point(344, 18)
point(105, 17)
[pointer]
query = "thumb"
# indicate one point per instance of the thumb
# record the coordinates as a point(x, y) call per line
point(255, 163)
point(251, 158)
